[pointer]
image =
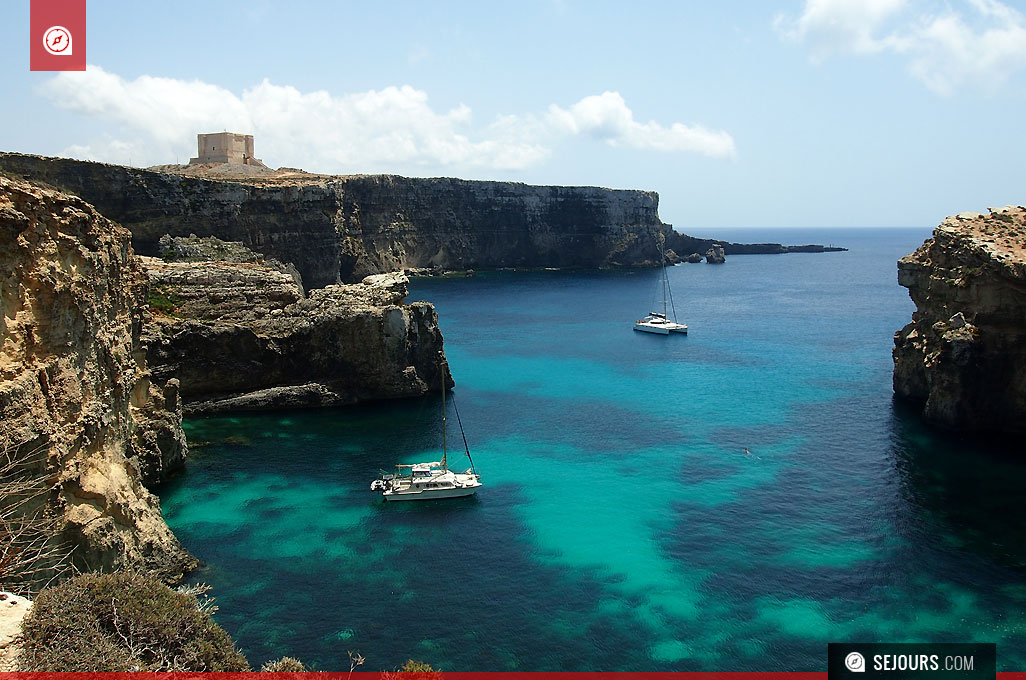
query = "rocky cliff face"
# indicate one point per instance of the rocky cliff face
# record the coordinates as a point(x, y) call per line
point(293, 223)
point(344, 228)
point(963, 357)
point(241, 335)
point(77, 407)
point(396, 223)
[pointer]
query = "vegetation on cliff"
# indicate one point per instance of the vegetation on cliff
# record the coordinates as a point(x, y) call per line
point(30, 552)
point(123, 622)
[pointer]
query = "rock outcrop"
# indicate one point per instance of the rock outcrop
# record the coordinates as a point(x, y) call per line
point(192, 248)
point(682, 243)
point(343, 228)
point(242, 336)
point(715, 255)
point(963, 356)
point(77, 407)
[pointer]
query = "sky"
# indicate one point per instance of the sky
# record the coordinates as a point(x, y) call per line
point(769, 113)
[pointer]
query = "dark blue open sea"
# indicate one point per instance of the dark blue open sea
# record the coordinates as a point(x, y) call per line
point(622, 526)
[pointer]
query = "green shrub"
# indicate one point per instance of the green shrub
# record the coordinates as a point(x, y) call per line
point(163, 299)
point(123, 622)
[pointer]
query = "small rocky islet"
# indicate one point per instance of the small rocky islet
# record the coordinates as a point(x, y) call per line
point(292, 295)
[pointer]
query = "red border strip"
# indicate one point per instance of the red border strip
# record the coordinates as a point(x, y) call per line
point(441, 675)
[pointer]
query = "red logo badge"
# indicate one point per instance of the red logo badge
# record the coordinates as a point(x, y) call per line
point(58, 35)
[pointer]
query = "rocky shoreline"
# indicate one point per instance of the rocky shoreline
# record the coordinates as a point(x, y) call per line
point(962, 359)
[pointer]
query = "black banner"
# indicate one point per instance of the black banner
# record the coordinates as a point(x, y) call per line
point(894, 661)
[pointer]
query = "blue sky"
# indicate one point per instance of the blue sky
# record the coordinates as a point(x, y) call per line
point(773, 113)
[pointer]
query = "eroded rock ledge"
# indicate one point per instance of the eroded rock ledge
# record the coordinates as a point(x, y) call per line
point(242, 336)
point(77, 407)
point(963, 356)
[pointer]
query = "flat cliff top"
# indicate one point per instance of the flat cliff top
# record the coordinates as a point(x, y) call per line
point(257, 294)
point(253, 175)
point(998, 238)
point(250, 174)
point(264, 176)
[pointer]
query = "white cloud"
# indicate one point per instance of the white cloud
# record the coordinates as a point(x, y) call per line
point(394, 129)
point(984, 44)
point(109, 150)
point(606, 117)
point(840, 25)
point(163, 107)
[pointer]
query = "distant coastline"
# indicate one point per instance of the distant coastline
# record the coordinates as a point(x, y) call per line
point(343, 228)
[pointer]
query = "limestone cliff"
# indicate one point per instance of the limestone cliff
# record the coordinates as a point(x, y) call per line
point(342, 228)
point(396, 223)
point(76, 404)
point(241, 335)
point(963, 356)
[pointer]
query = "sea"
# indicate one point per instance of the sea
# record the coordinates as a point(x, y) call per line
point(729, 500)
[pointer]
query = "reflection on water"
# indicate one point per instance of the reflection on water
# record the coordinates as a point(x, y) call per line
point(965, 488)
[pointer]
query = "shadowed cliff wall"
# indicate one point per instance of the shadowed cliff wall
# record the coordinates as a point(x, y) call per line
point(344, 228)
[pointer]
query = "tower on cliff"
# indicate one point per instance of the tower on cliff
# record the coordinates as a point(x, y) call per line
point(225, 147)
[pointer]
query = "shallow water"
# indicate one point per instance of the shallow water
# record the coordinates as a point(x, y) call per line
point(622, 525)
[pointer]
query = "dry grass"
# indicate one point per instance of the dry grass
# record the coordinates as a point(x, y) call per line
point(32, 555)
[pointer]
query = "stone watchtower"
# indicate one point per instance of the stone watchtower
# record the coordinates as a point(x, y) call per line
point(225, 147)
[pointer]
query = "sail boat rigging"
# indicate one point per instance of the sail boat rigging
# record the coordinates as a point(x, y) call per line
point(429, 481)
point(656, 322)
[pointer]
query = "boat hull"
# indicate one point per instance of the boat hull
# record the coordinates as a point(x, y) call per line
point(430, 494)
point(660, 327)
point(644, 328)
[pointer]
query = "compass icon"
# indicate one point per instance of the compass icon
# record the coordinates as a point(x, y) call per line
point(57, 41)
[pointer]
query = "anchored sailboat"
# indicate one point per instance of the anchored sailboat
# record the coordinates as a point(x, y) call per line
point(430, 481)
point(660, 323)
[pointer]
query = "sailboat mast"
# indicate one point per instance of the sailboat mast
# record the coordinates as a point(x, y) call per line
point(662, 265)
point(444, 433)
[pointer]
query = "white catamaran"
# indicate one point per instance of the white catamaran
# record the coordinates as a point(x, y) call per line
point(430, 481)
point(660, 323)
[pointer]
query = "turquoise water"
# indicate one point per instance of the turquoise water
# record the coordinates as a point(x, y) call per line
point(622, 525)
